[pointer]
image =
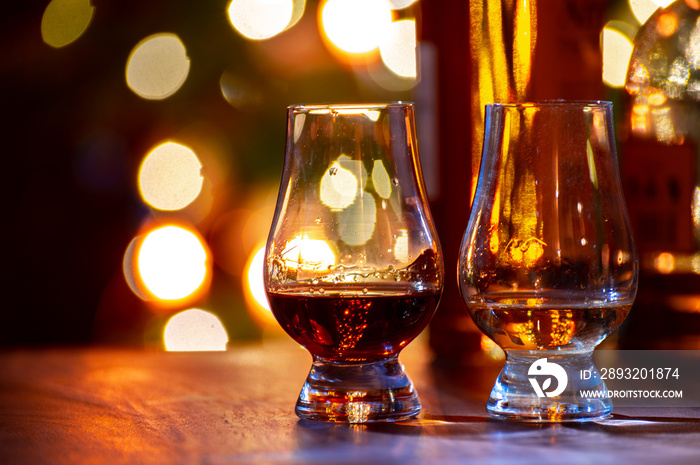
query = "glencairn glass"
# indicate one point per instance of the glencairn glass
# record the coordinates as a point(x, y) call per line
point(548, 267)
point(353, 268)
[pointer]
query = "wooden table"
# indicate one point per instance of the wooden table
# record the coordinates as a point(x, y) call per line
point(116, 405)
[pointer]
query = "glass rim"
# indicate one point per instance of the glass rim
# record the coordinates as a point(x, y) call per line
point(554, 103)
point(349, 106)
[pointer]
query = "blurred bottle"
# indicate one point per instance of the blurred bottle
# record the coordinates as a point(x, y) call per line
point(661, 178)
point(495, 51)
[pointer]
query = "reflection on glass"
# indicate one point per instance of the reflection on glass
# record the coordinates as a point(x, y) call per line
point(302, 253)
point(357, 222)
point(380, 180)
point(338, 187)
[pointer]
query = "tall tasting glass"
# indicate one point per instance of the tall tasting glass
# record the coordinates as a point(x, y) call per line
point(353, 266)
point(547, 268)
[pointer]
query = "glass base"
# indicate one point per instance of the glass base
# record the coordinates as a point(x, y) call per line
point(358, 392)
point(549, 386)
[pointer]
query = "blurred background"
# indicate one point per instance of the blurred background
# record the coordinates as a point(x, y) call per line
point(143, 141)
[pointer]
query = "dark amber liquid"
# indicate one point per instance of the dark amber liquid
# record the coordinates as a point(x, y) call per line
point(357, 327)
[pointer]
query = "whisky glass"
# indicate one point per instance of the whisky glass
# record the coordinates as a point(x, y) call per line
point(353, 267)
point(547, 266)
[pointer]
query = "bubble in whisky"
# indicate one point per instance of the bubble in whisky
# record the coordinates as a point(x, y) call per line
point(359, 315)
point(358, 327)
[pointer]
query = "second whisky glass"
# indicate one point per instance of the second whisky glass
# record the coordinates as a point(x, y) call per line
point(547, 267)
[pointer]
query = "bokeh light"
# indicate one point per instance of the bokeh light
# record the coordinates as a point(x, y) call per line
point(131, 271)
point(695, 209)
point(64, 21)
point(172, 262)
point(379, 73)
point(157, 66)
point(692, 50)
point(356, 26)
point(617, 50)
point(254, 289)
point(236, 233)
point(254, 272)
point(170, 177)
point(667, 24)
point(240, 92)
point(261, 19)
point(665, 263)
point(401, 4)
point(398, 50)
point(643, 9)
point(257, 225)
point(195, 330)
